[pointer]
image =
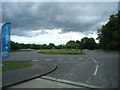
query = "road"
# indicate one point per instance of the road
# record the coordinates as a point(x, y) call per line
point(96, 68)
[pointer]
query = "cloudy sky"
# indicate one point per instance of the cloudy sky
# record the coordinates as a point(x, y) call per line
point(50, 22)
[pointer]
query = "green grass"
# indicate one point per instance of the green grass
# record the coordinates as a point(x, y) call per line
point(14, 65)
point(61, 51)
point(86, 50)
point(20, 50)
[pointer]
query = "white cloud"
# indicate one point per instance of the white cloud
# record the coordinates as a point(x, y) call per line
point(57, 23)
point(80, 17)
point(52, 37)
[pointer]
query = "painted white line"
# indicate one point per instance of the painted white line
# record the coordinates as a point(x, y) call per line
point(35, 60)
point(48, 59)
point(59, 59)
point(94, 60)
point(96, 70)
point(80, 58)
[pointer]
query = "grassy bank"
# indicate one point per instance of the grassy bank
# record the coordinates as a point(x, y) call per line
point(61, 51)
point(14, 65)
point(22, 50)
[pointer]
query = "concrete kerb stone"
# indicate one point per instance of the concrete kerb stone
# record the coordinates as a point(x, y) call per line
point(30, 78)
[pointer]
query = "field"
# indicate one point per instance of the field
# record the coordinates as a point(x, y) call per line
point(22, 50)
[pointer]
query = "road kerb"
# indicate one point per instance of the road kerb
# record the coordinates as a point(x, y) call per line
point(30, 78)
point(79, 84)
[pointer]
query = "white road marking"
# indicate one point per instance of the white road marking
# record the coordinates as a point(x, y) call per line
point(59, 59)
point(80, 58)
point(48, 59)
point(35, 60)
point(96, 70)
point(94, 60)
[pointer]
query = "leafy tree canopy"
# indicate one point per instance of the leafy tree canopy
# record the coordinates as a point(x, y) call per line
point(109, 34)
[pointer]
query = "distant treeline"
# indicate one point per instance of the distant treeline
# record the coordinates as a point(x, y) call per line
point(85, 43)
point(109, 34)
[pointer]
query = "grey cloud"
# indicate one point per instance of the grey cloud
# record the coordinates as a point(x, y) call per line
point(78, 17)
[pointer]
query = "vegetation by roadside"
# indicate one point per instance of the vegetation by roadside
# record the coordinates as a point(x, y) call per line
point(61, 51)
point(85, 43)
point(14, 65)
point(109, 34)
point(22, 50)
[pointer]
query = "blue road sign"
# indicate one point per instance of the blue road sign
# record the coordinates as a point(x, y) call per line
point(5, 40)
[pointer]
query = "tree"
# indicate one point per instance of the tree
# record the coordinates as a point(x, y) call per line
point(51, 46)
point(78, 44)
point(71, 44)
point(109, 34)
point(59, 47)
point(88, 43)
point(14, 46)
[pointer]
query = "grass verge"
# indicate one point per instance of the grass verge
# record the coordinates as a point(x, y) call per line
point(61, 51)
point(14, 65)
point(20, 50)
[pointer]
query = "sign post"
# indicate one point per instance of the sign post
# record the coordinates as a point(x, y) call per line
point(5, 41)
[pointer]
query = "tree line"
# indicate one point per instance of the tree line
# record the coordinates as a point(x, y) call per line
point(109, 34)
point(85, 43)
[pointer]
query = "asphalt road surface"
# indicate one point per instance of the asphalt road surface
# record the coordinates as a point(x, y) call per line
point(96, 68)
